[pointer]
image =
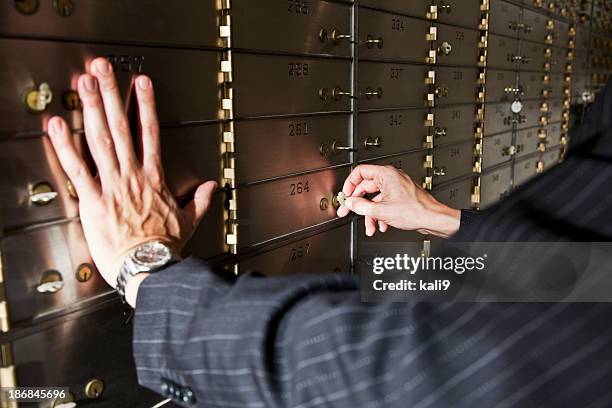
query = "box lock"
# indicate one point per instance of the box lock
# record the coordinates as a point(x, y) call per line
point(84, 272)
point(27, 6)
point(338, 200)
point(94, 388)
point(337, 37)
point(370, 41)
point(337, 93)
point(369, 93)
point(520, 148)
point(324, 204)
point(71, 101)
point(63, 7)
point(439, 171)
point(37, 99)
point(324, 149)
point(445, 8)
point(445, 48)
point(440, 132)
point(338, 147)
point(66, 402)
point(42, 194)
point(376, 142)
point(509, 151)
point(50, 282)
point(441, 92)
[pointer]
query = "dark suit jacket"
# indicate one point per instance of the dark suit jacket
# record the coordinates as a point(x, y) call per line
point(310, 342)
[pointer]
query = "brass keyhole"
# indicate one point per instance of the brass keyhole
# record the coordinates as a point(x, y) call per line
point(63, 7)
point(84, 272)
point(324, 204)
point(27, 6)
point(37, 99)
point(42, 194)
point(323, 36)
point(71, 101)
point(94, 388)
point(50, 282)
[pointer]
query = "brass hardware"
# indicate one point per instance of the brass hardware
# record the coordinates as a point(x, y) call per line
point(37, 100)
point(432, 35)
point(428, 183)
point(429, 142)
point(512, 90)
point(428, 162)
point(372, 40)
point(324, 149)
point(540, 168)
point(84, 272)
point(439, 171)
point(50, 282)
point(431, 78)
point(430, 120)
point(550, 25)
point(509, 151)
point(338, 147)
point(442, 7)
point(71, 190)
point(324, 204)
point(42, 194)
point(323, 36)
point(63, 7)
point(445, 48)
point(432, 14)
point(369, 93)
point(338, 93)
point(440, 132)
point(337, 37)
point(324, 93)
point(27, 6)
point(71, 101)
point(441, 92)
point(340, 198)
point(336, 202)
point(377, 142)
point(94, 388)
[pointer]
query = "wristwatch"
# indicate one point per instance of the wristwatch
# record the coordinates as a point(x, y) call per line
point(150, 257)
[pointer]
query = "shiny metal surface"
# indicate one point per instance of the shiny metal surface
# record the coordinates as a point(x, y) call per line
point(118, 21)
point(21, 69)
point(535, 26)
point(24, 163)
point(326, 252)
point(525, 169)
point(498, 118)
point(295, 144)
point(464, 13)
point(397, 130)
point(556, 84)
point(208, 241)
point(456, 195)
point(453, 161)
point(387, 85)
point(464, 46)
point(501, 86)
point(502, 52)
point(28, 255)
point(555, 110)
point(503, 18)
point(416, 8)
point(413, 164)
point(458, 85)
point(75, 350)
point(527, 142)
point(383, 36)
point(497, 149)
point(494, 186)
point(559, 59)
point(534, 56)
point(454, 124)
point(531, 85)
point(554, 135)
point(309, 27)
point(560, 34)
point(191, 155)
point(289, 84)
point(274, 209)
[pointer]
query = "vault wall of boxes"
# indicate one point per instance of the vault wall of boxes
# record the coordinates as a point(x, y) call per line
point(276, 100)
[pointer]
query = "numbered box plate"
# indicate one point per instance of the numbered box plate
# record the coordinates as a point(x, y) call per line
point(503, 18)
point(455, 85)
point(494, 186)
point(174, 82)
point(451, 162)
point(535, 24)
point(527, 142)
point(195, 23)
point(383, 37)
point(386, 85)
point(457, 46)
point(531, 85)
point(530, 115)
point(413, 164)
point(501, 86)
point(551, 158)
point(554, 134)
point(289, 85)
point(502, 51)
point(454, 124)
point(296, 144)
point(525, 169)
point(464, 13)
point(297, 203)
point(497, 149)
point(498, 118)
point(456, 195)
point(296, 26)
point(326, 252)
point(389, 132)
point(416, 8)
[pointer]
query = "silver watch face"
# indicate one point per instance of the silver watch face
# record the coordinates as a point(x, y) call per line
point(152, 254)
